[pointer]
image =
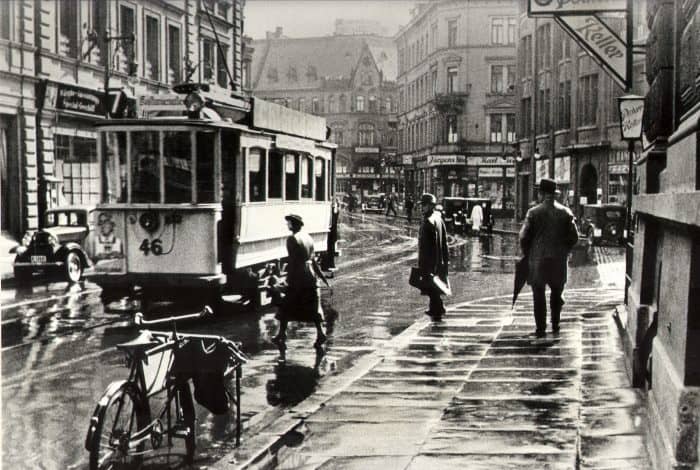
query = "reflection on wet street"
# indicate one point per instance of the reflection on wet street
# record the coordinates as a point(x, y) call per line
point(59, 343)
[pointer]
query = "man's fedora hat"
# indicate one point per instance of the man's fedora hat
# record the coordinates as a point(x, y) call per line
point(548, 185)
point(294, 219)
point(428, 198)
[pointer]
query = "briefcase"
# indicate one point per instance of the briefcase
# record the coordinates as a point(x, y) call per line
point(415, 278)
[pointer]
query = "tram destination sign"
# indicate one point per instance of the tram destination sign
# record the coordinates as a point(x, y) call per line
point(574, 7)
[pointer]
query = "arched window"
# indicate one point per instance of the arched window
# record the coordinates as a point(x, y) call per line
point(360, 104)
point(365, 134)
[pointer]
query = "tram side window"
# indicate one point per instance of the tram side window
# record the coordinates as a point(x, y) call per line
point(114, 179)
point(256, 175)
point(307, 174)
point(178, 167)
point(145, 170)
point(320, 174)
point(274, 180)
point(205, 167)
point(291, 177)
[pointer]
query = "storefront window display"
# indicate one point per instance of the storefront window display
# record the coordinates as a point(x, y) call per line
point(77, 167)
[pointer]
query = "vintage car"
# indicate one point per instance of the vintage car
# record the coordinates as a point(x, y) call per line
point(603, 223)
point(454, 213)
point(374, 203)
point(59, 248)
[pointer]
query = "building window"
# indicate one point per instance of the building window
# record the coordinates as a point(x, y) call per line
point(372, 104)
point(525, 116)
point(387, 105)
point(342, 104)
point(5, 20)
point(525, 55)
point(77, 167)
point(152, 52)
point(315, 106)
point(365, 135)
point(256, 175)
point(503, 30)
point(544, 46)
point(496, 128)
point(451, 33)
point(451, 79)
point(68, 29)
point(174, 54)
point(543, 113)
point(222, 67)
point(127, 26)
point(311, 74)
point(359, 104)
point(512, 30)
point(452, 129)
point(208, 60)
point(565, 47)
point(292, 74)
point(502, 79)
point(272, 74)
point(502, 126)
point(433, 37)
point(588, 99)
point(337, 135)
point(302, 105)
point(564, 105)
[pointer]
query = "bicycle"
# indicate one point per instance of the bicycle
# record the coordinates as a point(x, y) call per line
point(123, 423)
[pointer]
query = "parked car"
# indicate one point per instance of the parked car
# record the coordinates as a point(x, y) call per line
point(485, 203)
point(58, 248)
point(454, 213)
point(374, 203)
point(603, 223)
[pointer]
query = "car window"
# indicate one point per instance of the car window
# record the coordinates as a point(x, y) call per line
point(50, 219)
point(613, 215)
point(62, 218)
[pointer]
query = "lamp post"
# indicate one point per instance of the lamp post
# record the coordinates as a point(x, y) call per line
point(631, 109)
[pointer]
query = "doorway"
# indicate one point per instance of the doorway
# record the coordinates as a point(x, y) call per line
point(589, 183)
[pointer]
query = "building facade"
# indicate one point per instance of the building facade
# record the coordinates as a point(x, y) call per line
point(348, 79)
point(52, 76)
point(568, 118)
point(456, 119)
point(663, 318)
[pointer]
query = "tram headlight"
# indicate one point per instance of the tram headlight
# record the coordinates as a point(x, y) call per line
point(194, 102)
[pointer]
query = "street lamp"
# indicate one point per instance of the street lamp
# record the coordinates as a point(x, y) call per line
point(631, 109)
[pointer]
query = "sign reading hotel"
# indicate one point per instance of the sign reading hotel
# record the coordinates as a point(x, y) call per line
point(603, 44)
point(445, 160)
point(568, 7)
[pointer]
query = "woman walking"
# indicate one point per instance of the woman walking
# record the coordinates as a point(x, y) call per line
point(303, 299)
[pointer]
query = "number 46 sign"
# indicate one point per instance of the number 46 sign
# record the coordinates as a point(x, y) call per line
point(154, 246)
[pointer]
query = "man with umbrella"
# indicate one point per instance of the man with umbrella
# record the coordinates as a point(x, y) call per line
point(546, 238)
point(433, 256)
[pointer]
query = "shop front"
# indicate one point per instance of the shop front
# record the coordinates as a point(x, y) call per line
point(562, 175)
point(446, 175)
point(493, 177)
point(618, 166)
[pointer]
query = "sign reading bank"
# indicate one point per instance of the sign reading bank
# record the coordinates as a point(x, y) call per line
point(572, 7)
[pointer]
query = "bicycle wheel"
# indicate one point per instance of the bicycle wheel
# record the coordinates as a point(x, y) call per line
point(123, 417)
point(187, 414)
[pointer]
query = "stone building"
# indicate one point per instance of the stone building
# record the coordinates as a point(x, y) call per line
point(52, 63)
point(348, 79)
point(457, 101)
point(568, 118)
point(663, 317)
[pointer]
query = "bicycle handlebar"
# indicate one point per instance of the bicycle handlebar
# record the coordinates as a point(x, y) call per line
point(139, 321)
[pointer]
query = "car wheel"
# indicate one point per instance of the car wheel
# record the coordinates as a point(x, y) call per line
point(74, 267)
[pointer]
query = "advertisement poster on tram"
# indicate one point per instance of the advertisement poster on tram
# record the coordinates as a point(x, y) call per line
point(106, 245)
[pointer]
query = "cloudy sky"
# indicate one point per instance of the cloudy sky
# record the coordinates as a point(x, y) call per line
point(306, 18)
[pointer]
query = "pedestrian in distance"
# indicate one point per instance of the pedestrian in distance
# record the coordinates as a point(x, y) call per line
point(409, 207)
point(477, 217)
point(433, 257)
point(391, 204)
point(303, 295)
point(329, 259)
point(546, 238)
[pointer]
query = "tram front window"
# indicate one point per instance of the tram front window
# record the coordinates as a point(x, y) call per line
point(256, 175)
point(177, 160)
point(114, 168)
point(145, 171)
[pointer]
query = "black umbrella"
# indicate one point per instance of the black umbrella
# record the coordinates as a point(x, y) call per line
point(521, 269)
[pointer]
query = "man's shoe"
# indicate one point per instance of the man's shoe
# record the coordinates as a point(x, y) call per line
point(555, 329)
point(540, 333)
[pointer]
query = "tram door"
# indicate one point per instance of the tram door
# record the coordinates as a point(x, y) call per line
point(230, 155)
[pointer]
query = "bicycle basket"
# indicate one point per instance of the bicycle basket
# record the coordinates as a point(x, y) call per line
point(155, 369)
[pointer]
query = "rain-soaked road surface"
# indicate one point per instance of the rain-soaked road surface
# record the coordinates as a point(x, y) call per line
point(58, 352)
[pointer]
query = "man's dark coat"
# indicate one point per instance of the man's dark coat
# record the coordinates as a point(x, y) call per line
point(433, 256)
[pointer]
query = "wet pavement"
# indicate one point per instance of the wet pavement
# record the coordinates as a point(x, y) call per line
point(58, 345)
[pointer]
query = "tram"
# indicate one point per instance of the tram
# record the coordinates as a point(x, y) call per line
point(195, 190)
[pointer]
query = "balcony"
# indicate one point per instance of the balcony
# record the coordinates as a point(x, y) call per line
point(451, 103)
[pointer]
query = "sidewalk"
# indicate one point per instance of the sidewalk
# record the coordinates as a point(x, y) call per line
point(475, 391)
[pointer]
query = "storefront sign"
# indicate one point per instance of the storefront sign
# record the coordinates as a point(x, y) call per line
point(491, 161)
point(541, 170)
point(510, 172)
point(366, 149)
point(76, 99)
point(569, 7)
point(631, 112)
point(490, 172)
point(364, 176)
point(444, 160)
point(600, 42)
point(617, 169)
point(562, 170)
point(169, 102)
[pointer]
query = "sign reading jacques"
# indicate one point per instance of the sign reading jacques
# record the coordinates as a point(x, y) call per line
point(569, 7)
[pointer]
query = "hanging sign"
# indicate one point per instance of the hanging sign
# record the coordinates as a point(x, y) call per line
point(572, 7)
point(601, 42)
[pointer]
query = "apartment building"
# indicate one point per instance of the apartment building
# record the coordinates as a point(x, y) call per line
point(457, 100)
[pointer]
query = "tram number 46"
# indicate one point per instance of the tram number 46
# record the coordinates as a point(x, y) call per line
point(154, 246)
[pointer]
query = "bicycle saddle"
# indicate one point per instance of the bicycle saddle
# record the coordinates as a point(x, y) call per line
point(144, 340)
